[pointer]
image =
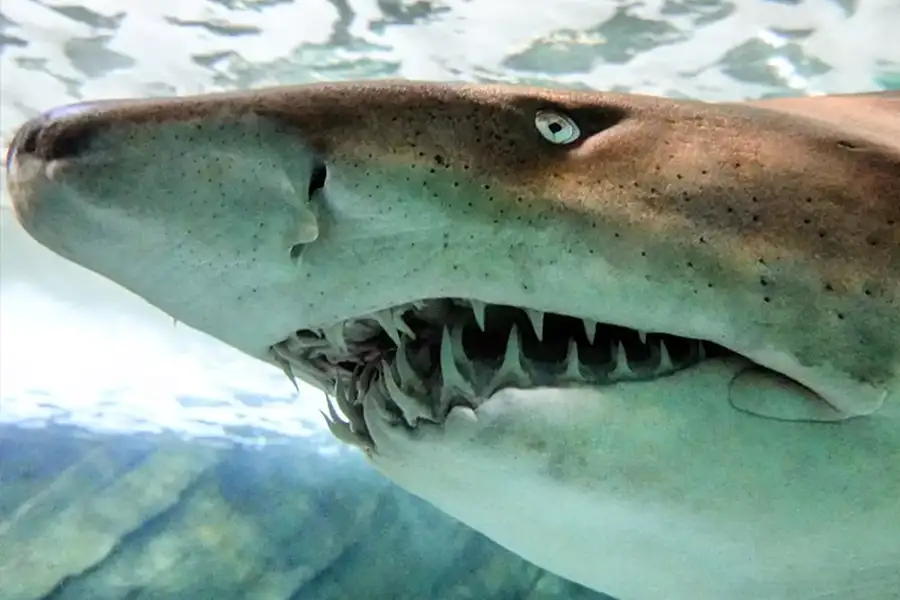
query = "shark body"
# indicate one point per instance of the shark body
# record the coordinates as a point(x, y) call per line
point(625, 337)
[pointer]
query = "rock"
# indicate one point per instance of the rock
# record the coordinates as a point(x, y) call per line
point(129, 518)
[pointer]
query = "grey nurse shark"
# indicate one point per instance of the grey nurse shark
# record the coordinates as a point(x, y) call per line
point(651, 345)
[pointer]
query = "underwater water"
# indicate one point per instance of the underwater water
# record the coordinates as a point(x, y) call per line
point(141, 460)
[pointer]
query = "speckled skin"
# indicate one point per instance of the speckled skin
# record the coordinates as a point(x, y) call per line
point(769, 227)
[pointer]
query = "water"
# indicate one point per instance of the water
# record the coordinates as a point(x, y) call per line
point(142, 460)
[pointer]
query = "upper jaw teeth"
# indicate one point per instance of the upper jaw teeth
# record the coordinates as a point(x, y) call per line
point(336, 343)
point(335, 336)
point(479, 309)
point(386, 319)
point(537, 322)
point(392, 322)
point(402, 393)
point(590, 329)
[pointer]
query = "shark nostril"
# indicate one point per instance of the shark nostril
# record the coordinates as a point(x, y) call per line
point(317, 177)
point(66, 143)
point(30, 138)
point(46, 140)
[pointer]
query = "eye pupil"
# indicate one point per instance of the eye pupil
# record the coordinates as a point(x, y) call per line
point(556, 127)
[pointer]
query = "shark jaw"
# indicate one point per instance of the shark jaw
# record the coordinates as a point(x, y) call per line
point(420, 360)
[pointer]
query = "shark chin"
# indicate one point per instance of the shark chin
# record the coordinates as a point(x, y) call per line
point(641, 465)
point(651, 345)
point(659, 489)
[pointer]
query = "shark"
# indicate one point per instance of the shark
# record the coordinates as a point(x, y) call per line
point(649, 344)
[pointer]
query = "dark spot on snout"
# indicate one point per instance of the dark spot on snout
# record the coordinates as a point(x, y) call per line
point(47, 139)
point(317, 177)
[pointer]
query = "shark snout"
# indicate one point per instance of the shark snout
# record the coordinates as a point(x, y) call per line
point(222, 198)
point(47, 137)
point(121, 157)
point(39, 164)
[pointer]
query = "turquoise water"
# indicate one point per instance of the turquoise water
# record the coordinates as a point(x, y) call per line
point(141, 460)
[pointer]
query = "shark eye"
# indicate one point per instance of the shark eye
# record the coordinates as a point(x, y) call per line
point(556, 127)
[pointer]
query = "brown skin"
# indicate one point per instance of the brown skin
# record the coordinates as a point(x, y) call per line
point(752, 198)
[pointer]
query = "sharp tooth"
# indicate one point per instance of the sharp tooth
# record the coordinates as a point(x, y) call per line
point(409, 379)
point(454, 382)
point(510, 373)
point(386, 320)
point(285, 368)
point(573, 364)
point(380, 399)
point(366, 376)
point(622, 370)
point(537, 322)
point(289, 372)
point(480, 310)
point(590, 329)
point(643, 336)
point(360, 379)
point(341, 429)
point(400, 323)
point(335, 336)
point(352, 389)
point(665, 360)
point(701, 351)
point(346, 401)
point(298, 342)
point(332, 411)
point(412, 408)
point(459, 354)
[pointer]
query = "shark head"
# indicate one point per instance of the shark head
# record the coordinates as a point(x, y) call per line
point(524, 299)
point(605, 237)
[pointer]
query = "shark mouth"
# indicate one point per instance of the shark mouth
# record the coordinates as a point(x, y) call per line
point(419, 360)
